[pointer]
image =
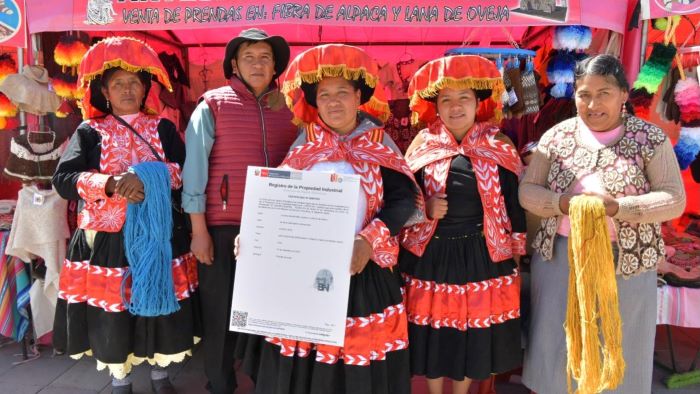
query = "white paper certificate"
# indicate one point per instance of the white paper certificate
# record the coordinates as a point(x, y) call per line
point(293, 270)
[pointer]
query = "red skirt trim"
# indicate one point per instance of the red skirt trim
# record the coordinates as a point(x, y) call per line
point(101, 286)
point(472, 305)
point(367, 339)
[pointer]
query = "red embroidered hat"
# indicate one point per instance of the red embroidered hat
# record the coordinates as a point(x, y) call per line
point(455, 72)
point(126, 53)
point(329, 61)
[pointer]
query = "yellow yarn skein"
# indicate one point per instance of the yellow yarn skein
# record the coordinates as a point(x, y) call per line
point(593, 310)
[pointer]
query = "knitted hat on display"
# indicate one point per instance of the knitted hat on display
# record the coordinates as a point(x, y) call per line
point(70, 50)
point(650, 76)
point(572, 38)
point(687, 95)
point(567, 42)
point(65, 85)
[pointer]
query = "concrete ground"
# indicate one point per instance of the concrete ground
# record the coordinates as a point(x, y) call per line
point(61, 375)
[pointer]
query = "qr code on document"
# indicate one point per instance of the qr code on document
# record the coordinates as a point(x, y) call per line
point(239, 319)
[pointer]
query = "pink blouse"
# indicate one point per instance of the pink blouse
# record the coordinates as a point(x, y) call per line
point(591, 182)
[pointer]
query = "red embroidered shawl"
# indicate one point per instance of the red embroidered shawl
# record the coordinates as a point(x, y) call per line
point(486, 152)
point(366, 153)
point(118, 145)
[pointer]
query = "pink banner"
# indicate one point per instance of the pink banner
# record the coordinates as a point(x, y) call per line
point(12, 24)
point(660, 8)
point(203, 14)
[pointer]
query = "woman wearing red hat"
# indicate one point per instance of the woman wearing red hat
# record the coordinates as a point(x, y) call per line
point(124, 298)
point(462, 281)
point(332, 90)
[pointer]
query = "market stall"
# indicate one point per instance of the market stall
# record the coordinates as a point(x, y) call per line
point(15, 281)
point(401, 35)
point(672, 27)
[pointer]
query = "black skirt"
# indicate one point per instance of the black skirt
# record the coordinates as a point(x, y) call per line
point(463, 309)
point(307, 368)
point(91, 320)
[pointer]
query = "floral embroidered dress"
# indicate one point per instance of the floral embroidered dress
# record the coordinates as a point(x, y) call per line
point(91, 317)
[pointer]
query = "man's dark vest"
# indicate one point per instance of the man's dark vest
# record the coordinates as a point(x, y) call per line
point(247, 132)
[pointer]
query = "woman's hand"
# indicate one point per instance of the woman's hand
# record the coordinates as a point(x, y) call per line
point(436, 206)
point(237, 246)
point(361, 253)
point(129, 186)
point(564, 201)
point(611, 204)
point(202, 247)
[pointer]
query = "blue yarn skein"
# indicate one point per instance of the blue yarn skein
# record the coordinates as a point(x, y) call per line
point(147, 236)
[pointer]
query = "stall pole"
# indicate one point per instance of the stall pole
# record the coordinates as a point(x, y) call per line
point(645, 34)
point(20, 66)
point(36, 52)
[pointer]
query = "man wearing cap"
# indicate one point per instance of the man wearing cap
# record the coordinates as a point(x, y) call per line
point(251, 125)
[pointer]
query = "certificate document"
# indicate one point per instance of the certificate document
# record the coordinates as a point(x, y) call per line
point(293, 270)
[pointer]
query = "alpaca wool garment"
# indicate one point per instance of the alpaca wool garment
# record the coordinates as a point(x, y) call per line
point(650, 77)
point(561, 67)
point(656, 67)
point(147, 234)
point(687, 96)
point(592, 298)
point(572, 38)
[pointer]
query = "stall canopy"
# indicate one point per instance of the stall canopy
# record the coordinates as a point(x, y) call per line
point(202, 23)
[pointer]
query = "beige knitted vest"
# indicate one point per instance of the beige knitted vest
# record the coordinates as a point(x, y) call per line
point(621, 168)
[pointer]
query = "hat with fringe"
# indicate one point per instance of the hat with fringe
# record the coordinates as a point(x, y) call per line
point(456, 72)
point(330, 61)
point(126, 53)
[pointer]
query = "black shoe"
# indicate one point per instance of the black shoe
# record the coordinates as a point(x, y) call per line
point(125, 389)
point(162, 386)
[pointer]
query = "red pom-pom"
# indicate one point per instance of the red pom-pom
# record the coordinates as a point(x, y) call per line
point(69, 51)
point(7, 65)
point(7, 108)
point(65, 85)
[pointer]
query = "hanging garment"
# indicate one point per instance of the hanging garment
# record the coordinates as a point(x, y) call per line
point(399, 126)
point(40, 229)
point(531, 96)
point(393, 86)
point(14, 294)
point(30, 91)
point(174, 68)
point(516, 99)
point(33, 157)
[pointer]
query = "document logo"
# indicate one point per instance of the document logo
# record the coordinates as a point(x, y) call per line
point(324, 280)
point(336, 178)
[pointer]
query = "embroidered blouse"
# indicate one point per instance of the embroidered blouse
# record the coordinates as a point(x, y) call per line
point(101, 148)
